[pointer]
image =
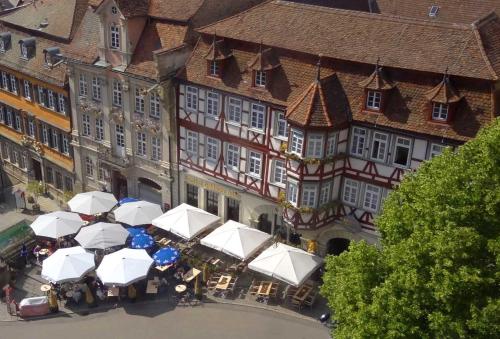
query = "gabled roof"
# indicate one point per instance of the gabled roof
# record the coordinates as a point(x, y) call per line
point(377, 81)
point(128, 8)
point(444, 92)
point(54, 18)
point(363, 37)
point(174, 9)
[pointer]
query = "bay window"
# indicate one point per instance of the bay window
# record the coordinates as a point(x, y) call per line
point(296, 142)
point(309, 193)
point(330, 144)
point(324, 196)
point(292, 193)
point(314, 146)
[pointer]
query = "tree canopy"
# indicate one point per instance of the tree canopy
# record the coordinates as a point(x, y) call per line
point(436, 273)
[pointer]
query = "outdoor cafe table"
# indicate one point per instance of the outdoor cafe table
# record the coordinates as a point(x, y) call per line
point(223, 282)
point(302, 293)
point(191, 274)
point(180, 288)
point(265, 288)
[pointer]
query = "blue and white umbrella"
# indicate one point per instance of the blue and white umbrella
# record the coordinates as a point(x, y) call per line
point(126, 200)
point(135, 231)
point(142, 240)
point(166, 256)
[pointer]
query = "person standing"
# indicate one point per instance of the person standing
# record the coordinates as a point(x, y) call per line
point(24, 254)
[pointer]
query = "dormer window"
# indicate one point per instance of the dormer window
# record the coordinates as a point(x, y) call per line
point(115, 37)
point(5, 39)
point(260, 78)
point(27, 48)
point(214, 68)
point(440, 111)
point(53, 56)
point(373, 100)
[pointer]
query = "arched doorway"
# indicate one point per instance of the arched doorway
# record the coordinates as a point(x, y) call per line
point(150, 191)
point(336, 246)
point(264, 224)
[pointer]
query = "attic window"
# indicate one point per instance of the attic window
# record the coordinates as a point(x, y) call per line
point(27, 48)
point(5, 42)
point(114, 10)
point(440, 111)
point(433, 11)
point(53, 56)
point(260, 78)
point(214, 68)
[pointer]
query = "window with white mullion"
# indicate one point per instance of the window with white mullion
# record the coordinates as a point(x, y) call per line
point(45, 135)
point(27, 89)
point(86, 125)
point(257, 117)
point(324, 196)
point(89, 167)
point(402, 151)
point(212, 104)
point(99, 129)
point(214, 68)
point(440, 111)
point(96, 88)
point(212, 146)
point(255, 164)
point(260, 78)
point(314, 146)
point(233, 156)
point(191, 98)
point(17, 122)
point(115, 36)
point(331, 143)
point(13, 84)
point(234, 110)
point(373, 100)
point(82, 85)
point(5, 81)
point(296, 142)
point(117, 93)
point(51, 100)
point(139, 101)
point(61, 103)
point(141, 144)
point(350, 192)
point(379, 146)
point(292, 193)
point(372, 197)
point(281, 125)
point(155, 148)
point(154, 104)
point(436, 149)
point(120, 135)
point(192, 142)
point(358, 141)
point(65, 144)
point(309, 194)
point(55, 139)
point(279, 172)
point(31, 128)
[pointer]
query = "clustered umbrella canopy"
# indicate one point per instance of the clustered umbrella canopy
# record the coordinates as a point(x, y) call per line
point(67, 264)
point(102, 235)
point(236, 239)
point(166, 256)
point(57, 224)
point(91, 203)
point(185, 221)
point(133, 231)
point(289, 264)
point(142, 240)
point(137, 213)
point(126, 200)
point(124, 267)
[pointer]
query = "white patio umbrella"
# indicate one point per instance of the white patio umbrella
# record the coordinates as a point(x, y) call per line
point(57, 224)
point(67, 264)
point(124, 267)
point(137, 213)
point(102, 235)
point(236, 239)
point(186, 221)
point(92, 203)
point(289, 264)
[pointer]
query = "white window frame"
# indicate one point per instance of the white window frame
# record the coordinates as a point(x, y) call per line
point(260, 78)
point(55, 139)
point(257, 117)
point(51, 100)
point(45, 135)
point(114, 36)
point(440, 111)
point(139, 101)
point(99, 129)
point(292, 192)
point(309, 195)
point(436, 149)
point(17, 122)
point(281, 125)
point(27, 90)
point(255, 164)
point(65, 144)
point(192, 142)
point(155, 148)
point(233, 156)
point(5, 81)
point(331, 145)
point(96, 88)
point(279, 172)
point(373, 100)
point(358, 141)
point(31, 128)
point(296, 142)
point(24, 51)
point(350, 192)
point(372, 196)
point(212, 146)
point(9, 117)
point(315, 143)
point(380, 144)
point(402, 142)
point(13, 84)
point(120, 135)
point(89, 167)
point(214, 68)
point(117, 93)
point(141, 144)
point(86, 129)
point(234, 110)
point(62, 103)
point(191, 98)
point(154, 104)
point(324, 194)
point(82, 85)
point(213, 104)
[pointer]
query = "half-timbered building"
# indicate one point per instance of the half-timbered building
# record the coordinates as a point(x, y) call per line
point(307, 117)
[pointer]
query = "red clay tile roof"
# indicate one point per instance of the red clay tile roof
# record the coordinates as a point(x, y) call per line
point(365, 37)
point(157, 35)
point(218, 51)
point(377, 81)
point(264, 60)
point(406, 107)
point(458, 11)
point(315, 107)
point(174, 9)
point(444, 92)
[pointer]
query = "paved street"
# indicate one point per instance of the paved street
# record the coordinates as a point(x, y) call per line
point(153, 321)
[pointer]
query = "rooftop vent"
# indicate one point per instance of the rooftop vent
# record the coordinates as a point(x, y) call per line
point(433, 12)
point(44, 23)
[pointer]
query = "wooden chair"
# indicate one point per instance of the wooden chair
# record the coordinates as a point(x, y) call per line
point(311, 298)
point(254, 287)
point(296, 303)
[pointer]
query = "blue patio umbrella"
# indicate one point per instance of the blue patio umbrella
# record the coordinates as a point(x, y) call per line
point(135, 231)
point(125, 200)
point(142, 240)
point(166, 256)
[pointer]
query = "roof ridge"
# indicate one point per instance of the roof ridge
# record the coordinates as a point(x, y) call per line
point(475, 31)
